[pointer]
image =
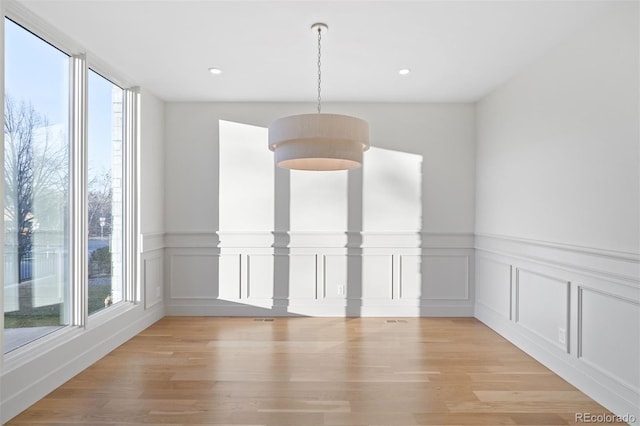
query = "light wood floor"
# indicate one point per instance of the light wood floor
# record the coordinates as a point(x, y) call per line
point(314, 371)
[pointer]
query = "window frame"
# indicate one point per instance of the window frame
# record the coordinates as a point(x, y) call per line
point(80, 63)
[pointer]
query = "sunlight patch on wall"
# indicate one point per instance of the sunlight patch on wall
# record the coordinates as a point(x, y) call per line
point(318, 201)
point(246, 178)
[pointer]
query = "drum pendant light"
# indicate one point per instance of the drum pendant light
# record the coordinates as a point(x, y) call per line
point(319, 141)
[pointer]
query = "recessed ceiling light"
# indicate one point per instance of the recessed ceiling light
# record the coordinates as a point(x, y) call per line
point(215, 71)
point(404, 71)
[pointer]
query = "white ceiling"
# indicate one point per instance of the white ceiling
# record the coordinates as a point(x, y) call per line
point(457, 50)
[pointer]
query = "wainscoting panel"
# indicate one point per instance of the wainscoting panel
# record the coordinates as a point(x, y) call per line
point(608, 341)
point(153, 278)
point(260, 276)
point(493, 285)
point(229, 275)
point(302, 282)
point(447, 277)
point(410, 285)
point(434, 277)
point(193, 276)
point(576, 310)
point(335, 277)
point(542, 306)
point(377, 276)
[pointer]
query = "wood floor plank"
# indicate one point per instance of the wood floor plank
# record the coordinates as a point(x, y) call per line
point(313, 371)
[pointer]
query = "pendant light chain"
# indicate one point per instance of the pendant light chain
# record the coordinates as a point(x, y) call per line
point(319, 70)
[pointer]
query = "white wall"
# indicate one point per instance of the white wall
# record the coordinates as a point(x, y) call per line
point(442, 134)
point(557, 156)
point(151, 198)
point(151, 164)
point(245, 238)
point(557, 209)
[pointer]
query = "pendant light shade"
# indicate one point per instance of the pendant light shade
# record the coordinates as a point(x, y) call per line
point(319, 141)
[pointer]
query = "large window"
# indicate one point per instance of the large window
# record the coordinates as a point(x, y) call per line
point(105, 212)
point(36, 187)
point(68, 189)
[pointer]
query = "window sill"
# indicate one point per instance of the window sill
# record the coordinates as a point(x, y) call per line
point(31, 351)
